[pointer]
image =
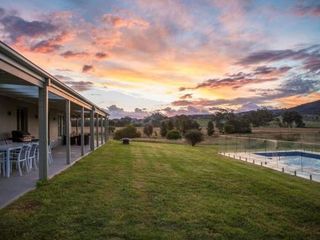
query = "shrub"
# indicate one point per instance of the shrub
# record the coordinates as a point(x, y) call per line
point(194, 136)
point(173, 135)
point(148, 130)
point(229, 128)
point(127, 132)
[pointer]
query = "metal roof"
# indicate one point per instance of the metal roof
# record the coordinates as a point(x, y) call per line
point(34, 70)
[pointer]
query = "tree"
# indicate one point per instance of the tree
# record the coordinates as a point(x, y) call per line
point(163, 129)
point(194, 136)
point(170, 125)
point(111, 126)
point(210, 128)
point(184, 123)
point(148, 130)
point(258, 118)
point(127, 132)
point(290, 117)
point(155, 119)
point(237, 125)
point(173, 135)
point(221, 117)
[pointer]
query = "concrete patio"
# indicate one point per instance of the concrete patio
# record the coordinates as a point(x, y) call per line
point(13, 187)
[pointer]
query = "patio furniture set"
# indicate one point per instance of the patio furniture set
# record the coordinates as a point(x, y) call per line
point(21, 154)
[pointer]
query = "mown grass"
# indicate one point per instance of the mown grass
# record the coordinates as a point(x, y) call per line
point(165, 191)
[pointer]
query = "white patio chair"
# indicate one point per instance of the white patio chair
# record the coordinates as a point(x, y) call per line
point(33, 155)
point(19, 156)
point(50, 159)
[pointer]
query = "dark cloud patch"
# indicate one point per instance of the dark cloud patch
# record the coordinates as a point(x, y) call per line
point(260, 74)
point(312, 64)
point(101, 55)
point(310, 57)
point(87, 68)
point(63, 78)
point(16, 27)
point(69, 54)
point(296, 86)
point(267, 56)
point(186, 96)
point(234, 82)
point(118, 112)
point(76, 85)
point(308, 10)
point(46, 46)
point(264, 70)
point(79, 85)
point(115, 108)
point(299, 85)
point(51, 44)
point(188, 110)
point(216, 109)
point(41, 36)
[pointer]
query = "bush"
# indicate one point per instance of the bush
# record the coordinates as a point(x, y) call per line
point(173, 135)
point(194, 136)
point(229, 128)
point(127, 132)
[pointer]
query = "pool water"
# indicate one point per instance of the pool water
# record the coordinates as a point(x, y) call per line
point(297, 159)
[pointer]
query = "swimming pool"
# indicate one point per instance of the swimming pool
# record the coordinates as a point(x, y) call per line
point(294, 159)
point(295, 162)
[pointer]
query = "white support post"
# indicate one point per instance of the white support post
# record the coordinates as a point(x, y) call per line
point(106, 130)
point(43, 132)
point(82, 131)
point(68, 147)
point(97, 129)
point(92, 130)
point(101, 130)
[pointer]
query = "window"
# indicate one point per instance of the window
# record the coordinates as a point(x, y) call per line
point(61, 129)
point(22, 119)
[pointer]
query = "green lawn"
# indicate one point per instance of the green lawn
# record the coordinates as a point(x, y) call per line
point(165, 191)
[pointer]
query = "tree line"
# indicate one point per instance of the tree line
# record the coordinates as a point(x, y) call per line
point(183, 126)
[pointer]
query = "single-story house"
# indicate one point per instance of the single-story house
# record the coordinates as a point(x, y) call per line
point(36, 106)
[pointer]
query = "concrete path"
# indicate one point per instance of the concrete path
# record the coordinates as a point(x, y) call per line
point(15, 186)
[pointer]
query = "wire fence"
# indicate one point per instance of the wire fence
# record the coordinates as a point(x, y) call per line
point(295, 158)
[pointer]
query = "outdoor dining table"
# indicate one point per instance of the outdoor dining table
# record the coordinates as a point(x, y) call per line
point(6, 149)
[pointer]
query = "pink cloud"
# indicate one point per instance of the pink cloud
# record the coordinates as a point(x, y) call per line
point(120, 22)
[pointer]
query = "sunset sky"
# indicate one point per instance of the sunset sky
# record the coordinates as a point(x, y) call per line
point(137, 56)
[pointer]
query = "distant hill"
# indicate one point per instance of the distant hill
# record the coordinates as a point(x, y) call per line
point(307, 108)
